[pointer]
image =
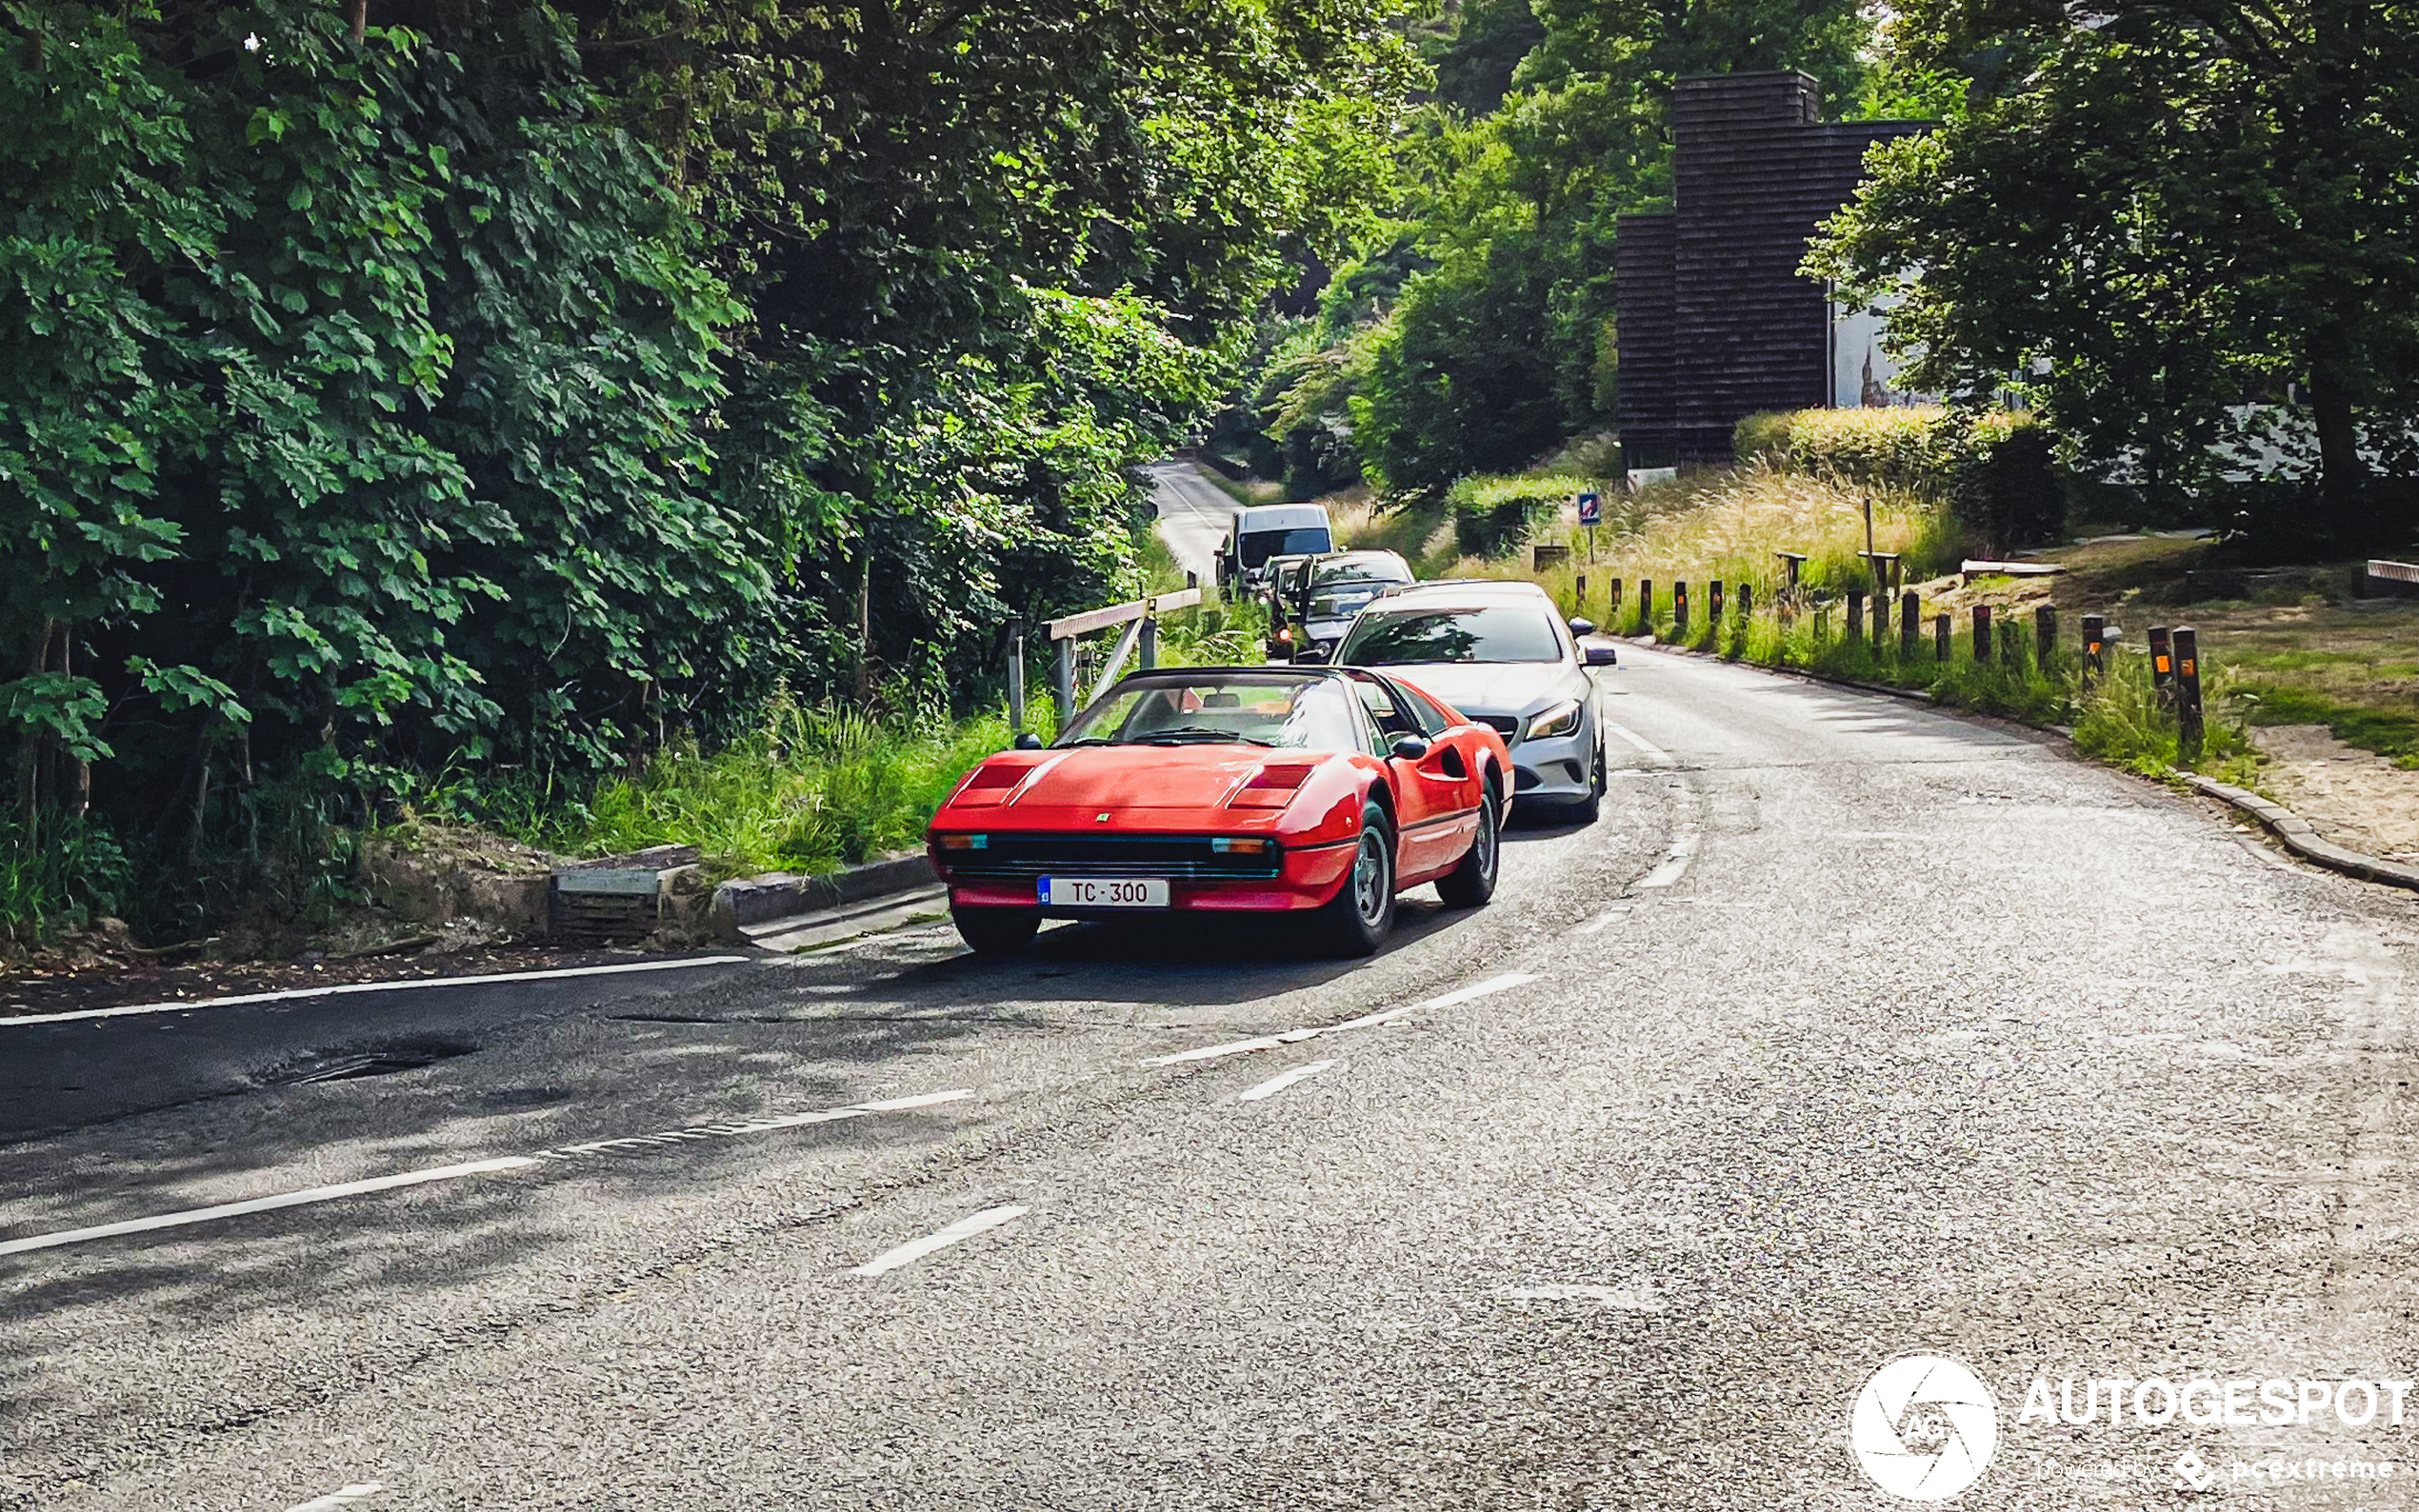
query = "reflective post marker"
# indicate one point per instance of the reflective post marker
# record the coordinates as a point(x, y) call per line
point(1713, 603)
point(2095, 649)
point(1679, 610)
point(2162, 665)
point(1646, 605)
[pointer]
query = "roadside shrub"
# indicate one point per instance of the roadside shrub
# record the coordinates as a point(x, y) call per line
point(1493, 515)
point(1995, 468)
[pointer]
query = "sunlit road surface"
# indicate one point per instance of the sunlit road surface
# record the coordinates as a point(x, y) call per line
point(1195, 516)
point(1851, 1030)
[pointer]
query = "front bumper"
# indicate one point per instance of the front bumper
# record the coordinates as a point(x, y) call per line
point(1307, 877)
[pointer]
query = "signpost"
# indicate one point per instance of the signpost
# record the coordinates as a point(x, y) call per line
point(1591, 514)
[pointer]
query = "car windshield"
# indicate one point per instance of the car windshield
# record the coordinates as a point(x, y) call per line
point(1219, 708)
point(1341, 572)
point(1258, 546)
point(1409, 636)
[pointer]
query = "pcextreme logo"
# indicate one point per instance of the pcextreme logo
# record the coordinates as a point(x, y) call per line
point(1924, 1427)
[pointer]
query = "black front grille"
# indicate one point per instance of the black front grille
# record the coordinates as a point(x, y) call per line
point(1105, 856)
point(1503, 724)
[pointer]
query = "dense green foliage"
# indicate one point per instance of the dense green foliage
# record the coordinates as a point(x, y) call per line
point(1995, 468)
point(1481, 337)
point(472, 397)
point(2188, 231)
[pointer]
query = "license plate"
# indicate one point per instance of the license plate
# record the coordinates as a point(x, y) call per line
point(1104, 892)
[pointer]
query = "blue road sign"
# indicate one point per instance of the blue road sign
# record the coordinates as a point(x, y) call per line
point(1590, 509)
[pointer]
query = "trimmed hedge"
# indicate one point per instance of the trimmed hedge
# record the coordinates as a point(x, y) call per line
point(1995, 469)
point(1493, 515)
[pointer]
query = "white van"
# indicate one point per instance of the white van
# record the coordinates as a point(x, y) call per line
point(1273, 529)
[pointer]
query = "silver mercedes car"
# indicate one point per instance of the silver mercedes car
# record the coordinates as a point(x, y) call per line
point(1501, 653)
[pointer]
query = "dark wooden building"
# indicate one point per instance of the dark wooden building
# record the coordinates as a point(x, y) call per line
point(1715, 322)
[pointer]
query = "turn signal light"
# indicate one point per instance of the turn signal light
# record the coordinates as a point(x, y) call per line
point(1241, 845)
point(962, 842)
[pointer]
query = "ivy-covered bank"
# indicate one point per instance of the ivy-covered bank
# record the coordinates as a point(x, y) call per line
point(461, 402)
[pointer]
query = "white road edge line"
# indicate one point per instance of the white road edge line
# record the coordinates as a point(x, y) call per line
point(1652, 752)
point(340, 989)
point(917, 1249)
point(344, 1497)
point(441, 1173)
point(1278, 1084)
point(1366, 1020)
point(1598, 924)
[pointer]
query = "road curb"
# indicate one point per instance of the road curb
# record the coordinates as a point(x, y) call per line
point(2302, 839)
point(785, 895)
point(2298, 835)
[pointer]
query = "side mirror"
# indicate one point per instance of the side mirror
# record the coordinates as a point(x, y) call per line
point(1027, 740)
point(1408, 749)
point(1582, 627)
point(1600, 656)
point(1313, 652)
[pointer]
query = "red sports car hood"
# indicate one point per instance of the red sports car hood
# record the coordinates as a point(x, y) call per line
point(1142, 776)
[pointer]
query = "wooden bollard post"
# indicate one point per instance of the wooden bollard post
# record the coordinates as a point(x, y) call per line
point(1713, 603)
point(1612, 604)
point(2044, 635)
point(1646, 606)
point(1910, 614)
point(2095, 649)
point(1982, 632)
point(1855, 614)
point(1940, 637)
point(2188, 692)
point(1746, 603)
point(1679, 612)
point(1581, 591)
point(2162, 665)
point(1881, 615)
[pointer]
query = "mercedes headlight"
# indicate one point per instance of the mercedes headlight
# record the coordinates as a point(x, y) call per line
point(1559, 719)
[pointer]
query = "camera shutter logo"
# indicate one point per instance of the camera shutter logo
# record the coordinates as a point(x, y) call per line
point(1924, 1427)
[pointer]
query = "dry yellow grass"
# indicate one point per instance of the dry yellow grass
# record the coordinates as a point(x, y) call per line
point(1726, 524)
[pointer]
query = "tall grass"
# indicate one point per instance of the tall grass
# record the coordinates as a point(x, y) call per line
point(1723, 524)
point(59, 880)
point(807, 790)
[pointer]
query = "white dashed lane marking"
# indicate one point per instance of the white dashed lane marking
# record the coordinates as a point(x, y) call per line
point(499, 1165)
point(263, 1205)
point(917, 1249)
point(1278, 1084)
point(346, 988)
point(344, 1497)
point(1366, 1020)
point(1646, 747)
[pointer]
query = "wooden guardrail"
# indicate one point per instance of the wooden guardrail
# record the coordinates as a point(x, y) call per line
point(1139, 616)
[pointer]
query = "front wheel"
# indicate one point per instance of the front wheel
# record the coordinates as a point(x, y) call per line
point(996, 931)
point(1470, 884)
point(1357, 921)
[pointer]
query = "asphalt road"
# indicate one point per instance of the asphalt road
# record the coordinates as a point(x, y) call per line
point(1851, 1030)
point(1195, 516)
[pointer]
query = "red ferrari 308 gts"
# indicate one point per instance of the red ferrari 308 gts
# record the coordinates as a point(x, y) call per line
point(1309, 792)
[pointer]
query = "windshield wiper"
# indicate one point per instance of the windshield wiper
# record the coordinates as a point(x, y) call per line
point(1179, 734)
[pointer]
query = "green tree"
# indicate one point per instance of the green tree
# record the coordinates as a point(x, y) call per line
point(2150, 219)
